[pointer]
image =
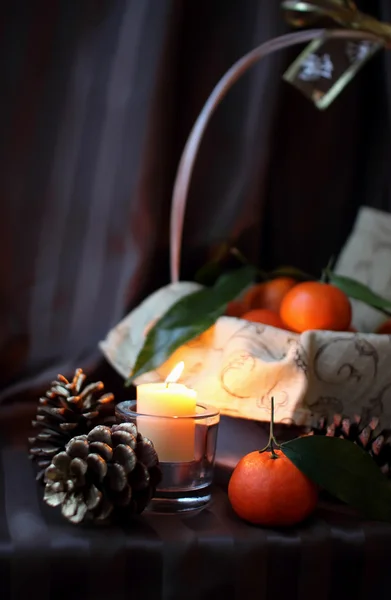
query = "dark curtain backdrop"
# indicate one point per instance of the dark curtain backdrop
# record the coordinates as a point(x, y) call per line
point(97, 99)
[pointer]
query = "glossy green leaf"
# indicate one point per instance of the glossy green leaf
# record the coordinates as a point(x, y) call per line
point(210, 271)
point(344, 470)
point(188, 318)
point(359, 291)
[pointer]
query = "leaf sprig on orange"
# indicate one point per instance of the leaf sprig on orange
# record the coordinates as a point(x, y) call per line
point(278, 486)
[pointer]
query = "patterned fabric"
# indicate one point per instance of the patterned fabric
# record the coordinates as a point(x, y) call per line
point(237, 366)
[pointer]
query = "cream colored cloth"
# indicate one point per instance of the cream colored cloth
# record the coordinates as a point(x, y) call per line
point(367, 258)
point(238, 366)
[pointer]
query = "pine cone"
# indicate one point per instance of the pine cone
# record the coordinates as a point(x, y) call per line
point(69, 408)
point(110, 468)
point(367, 435)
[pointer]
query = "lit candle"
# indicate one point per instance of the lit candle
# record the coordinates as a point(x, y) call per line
point(173, 438)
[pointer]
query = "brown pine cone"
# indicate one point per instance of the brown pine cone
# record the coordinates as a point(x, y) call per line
point(366, 433)
point(69, 408)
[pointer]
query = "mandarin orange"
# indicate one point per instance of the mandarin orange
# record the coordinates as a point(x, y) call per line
point(268, 294)
point(235, 309)
point(316, 305)
point(385, 328)
point(264, 316)
point(271, 491)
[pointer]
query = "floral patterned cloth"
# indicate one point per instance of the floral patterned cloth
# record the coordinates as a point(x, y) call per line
point(238, 366)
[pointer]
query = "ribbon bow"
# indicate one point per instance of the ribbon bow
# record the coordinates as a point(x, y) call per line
point(344, 12)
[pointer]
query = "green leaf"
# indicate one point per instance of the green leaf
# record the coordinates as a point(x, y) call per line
point(344, 470)
point(359, 291)
point(209, 273)
point(188, 318)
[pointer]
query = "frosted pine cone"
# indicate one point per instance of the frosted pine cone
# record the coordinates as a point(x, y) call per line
point(110, 468)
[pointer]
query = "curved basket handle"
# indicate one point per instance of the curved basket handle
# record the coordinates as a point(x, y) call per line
point(186, 164)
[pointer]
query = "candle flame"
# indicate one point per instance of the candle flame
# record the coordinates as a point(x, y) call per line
point(175, 373)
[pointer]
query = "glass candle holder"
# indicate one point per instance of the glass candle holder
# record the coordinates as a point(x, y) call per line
point(186, 447)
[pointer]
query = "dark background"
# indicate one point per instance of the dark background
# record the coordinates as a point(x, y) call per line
point(97, 100)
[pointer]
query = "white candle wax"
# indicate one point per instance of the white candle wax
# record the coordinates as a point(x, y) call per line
point(172, 438)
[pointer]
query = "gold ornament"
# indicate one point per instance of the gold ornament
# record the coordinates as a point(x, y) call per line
point(327, 65)
point(343, 12)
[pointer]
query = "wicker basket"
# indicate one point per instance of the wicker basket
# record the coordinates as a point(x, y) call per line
point(239, 365)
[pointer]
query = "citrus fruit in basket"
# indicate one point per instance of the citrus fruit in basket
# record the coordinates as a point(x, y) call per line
point(316, 305)
point(265, 316)
point(235, 309)
point(267, 489)
point(384, 328)
point(268, 294)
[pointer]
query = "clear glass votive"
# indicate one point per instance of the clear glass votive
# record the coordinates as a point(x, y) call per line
point(186, 447)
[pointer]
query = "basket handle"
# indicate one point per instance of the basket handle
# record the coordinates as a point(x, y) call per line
point(189, 154)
